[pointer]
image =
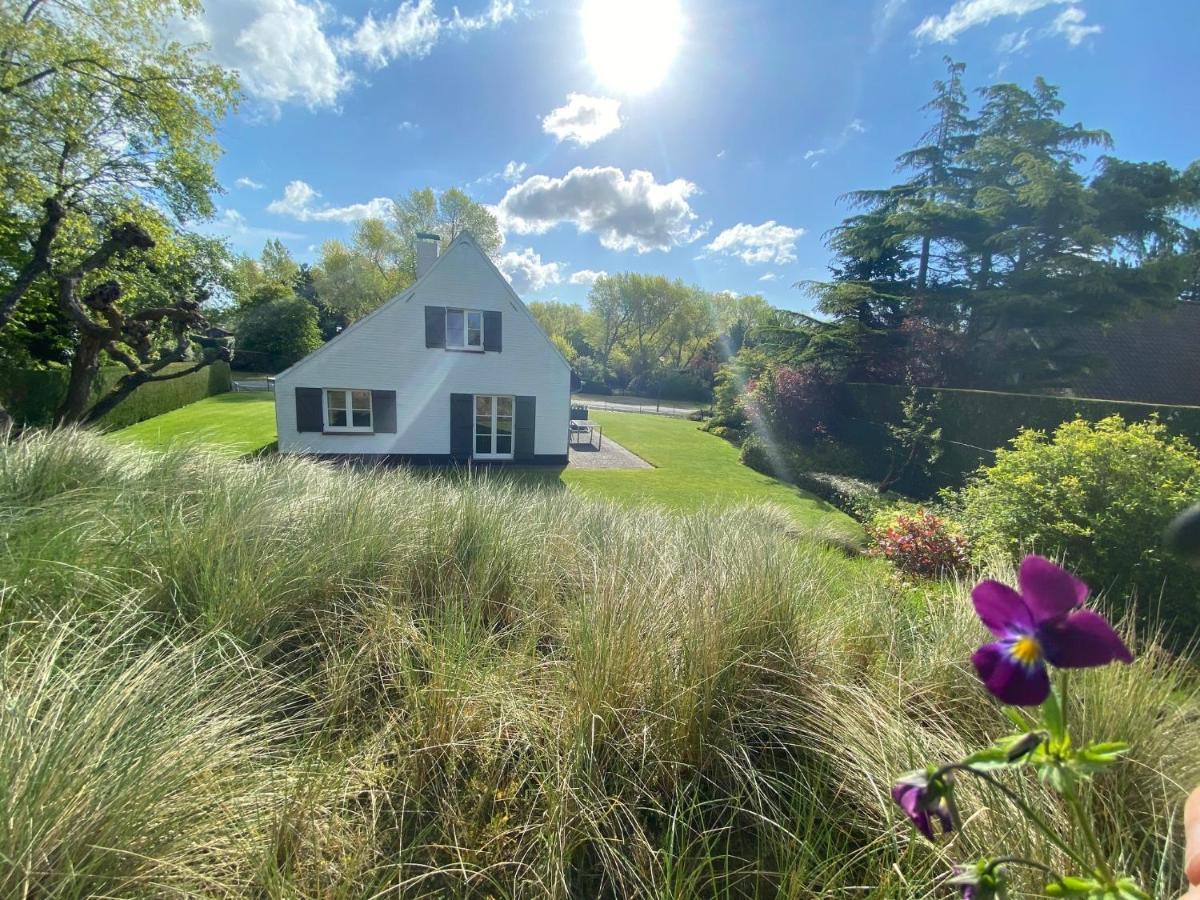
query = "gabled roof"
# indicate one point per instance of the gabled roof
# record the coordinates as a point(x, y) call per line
point(463, 237)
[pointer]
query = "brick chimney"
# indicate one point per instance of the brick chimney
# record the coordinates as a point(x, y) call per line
point(427, 251)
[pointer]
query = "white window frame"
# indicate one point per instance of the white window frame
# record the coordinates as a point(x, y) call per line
point(466, 314)
point(512, 436)
point(349, 427)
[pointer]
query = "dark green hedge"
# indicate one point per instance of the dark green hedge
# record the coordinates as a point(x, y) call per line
point(32, 395)
point(975, 423)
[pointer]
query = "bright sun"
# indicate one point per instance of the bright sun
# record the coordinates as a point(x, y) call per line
point(632, 43)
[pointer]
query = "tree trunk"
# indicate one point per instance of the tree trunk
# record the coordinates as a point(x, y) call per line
point(84, 366)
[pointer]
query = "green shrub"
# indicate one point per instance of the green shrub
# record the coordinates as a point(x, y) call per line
point(31, 396)
point(789, 461)
point(1101, 496)
point(278, 334)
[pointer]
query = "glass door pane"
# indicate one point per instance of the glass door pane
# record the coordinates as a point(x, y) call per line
point(504, 425)
point(484, 410)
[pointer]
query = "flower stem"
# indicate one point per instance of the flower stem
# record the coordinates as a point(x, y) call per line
point(1030, 814)
point(1089, 835)
point(1022, 861)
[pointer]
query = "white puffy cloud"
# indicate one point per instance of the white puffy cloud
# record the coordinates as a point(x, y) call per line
point(526, 272)
point(296, 51)
point(278, 47)
point(299, 199)
point(1069, 23)
point(411, 30)
point(966, 14)
point(583, 120)
point(587, 276)
point(249, 183)
point(769, 242)
point(626, 212)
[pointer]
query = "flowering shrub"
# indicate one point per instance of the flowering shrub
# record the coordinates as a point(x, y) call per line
point(1100, 496)
point(790, 404)
point(1042, 625)
point(919, 543)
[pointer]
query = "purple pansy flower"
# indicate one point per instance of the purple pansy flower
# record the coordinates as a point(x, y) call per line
point(1044, 623)
point(921, 799)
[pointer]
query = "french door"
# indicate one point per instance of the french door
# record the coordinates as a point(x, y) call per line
point(493, 427)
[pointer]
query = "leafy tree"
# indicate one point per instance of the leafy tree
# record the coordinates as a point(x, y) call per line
point(446, 215)
point(565, 320)
point(97, 110)
point(277, 334)
point(980, 266)
point(94, 106)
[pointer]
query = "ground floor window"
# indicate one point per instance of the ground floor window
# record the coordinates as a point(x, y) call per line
point(493, 426)
point(347, 409)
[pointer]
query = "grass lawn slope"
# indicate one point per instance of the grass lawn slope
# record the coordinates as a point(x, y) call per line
point(692, 469)
point(232, 423)
point(271, 678)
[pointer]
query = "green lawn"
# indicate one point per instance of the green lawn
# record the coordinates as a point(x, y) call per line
point(692, 468)
point(236, 423)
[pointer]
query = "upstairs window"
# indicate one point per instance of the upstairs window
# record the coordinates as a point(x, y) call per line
point(464, 329)
point(347, 410)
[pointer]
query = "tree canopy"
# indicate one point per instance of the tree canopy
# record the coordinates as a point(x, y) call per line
point(980, 267)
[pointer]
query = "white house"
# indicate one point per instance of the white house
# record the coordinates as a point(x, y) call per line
point(454, 368)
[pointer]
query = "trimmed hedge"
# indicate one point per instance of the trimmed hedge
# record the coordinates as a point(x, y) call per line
point(975, 423)
point(32, 395)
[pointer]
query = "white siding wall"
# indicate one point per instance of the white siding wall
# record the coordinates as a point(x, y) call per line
point(387, 351)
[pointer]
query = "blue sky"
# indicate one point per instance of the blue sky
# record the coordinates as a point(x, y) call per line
point(604, 151)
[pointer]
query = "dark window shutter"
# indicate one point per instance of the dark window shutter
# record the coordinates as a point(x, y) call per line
point(462, 425)
point(523, 427)
point(383, 411)
point(435, 326)
point(493, 331)
point(309, 415)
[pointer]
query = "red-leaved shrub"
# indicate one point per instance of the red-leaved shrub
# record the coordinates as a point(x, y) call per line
point(921, 543)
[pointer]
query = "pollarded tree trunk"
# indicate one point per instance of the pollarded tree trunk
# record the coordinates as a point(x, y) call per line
point(85, 365)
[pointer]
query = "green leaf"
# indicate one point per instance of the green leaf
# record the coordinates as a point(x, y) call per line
point(1052, 718)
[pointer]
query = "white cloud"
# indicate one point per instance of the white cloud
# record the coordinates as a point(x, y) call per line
point(409, 126)
point(1013, 42)
point(583, 119)
point(278, 47)
point(587, 276)
point(297, 51)
point(497, 13)
point(249, 183)
point(298, 202)
point(526, 272)
point(627, 212)
point(720, 154)
point(769, 242)
point(1069, 23)
point(411, 30)
point(770, 276)
point(233, 223)
point(881, 22)
point(966, 14)
point(853, 127)
point(814, 154)
point(513, 170)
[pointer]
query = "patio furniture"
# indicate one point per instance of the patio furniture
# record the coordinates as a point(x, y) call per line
point(577, 429)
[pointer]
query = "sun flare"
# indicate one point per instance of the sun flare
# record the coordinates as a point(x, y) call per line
point(631, 44)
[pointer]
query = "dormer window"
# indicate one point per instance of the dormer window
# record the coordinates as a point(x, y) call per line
point(464, 329)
